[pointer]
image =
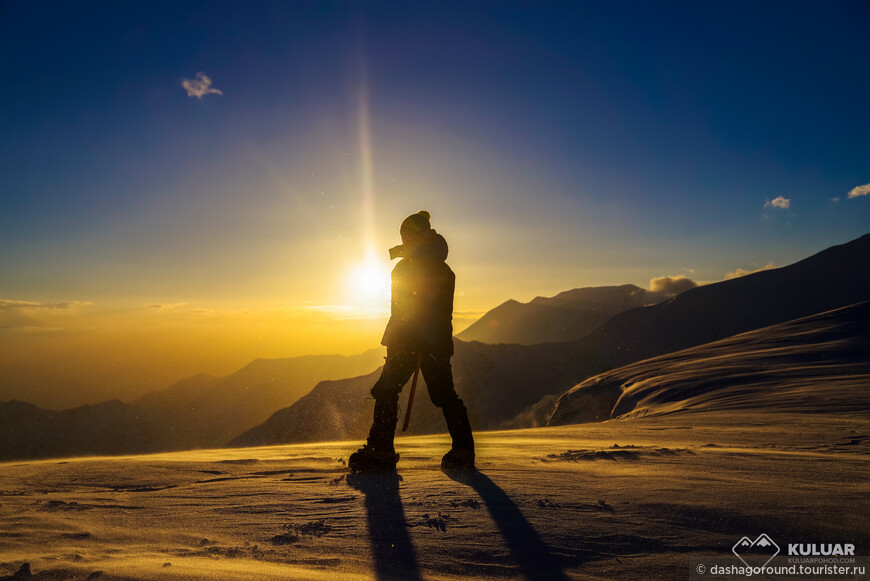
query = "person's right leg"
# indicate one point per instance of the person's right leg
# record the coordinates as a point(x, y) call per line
point(379, 451)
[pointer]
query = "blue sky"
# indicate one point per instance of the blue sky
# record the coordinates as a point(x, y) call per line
point(673, 123)
point(556, 144)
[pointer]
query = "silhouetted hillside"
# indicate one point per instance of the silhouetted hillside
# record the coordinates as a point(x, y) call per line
point(111, 427)
point(198, 412)
point(493, 380)
point(565, 317)
point(213, 409)
point(323, 411)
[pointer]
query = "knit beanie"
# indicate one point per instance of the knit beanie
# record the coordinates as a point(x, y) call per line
point(418, 222)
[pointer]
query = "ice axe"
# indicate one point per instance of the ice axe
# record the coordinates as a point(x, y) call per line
point(411, 395)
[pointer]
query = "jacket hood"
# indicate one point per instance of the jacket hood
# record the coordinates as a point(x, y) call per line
point(434, 249)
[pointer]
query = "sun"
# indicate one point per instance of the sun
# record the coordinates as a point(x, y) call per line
point(369, 282)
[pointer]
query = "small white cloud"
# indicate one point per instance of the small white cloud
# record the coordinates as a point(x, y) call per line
point(778, 202)
point(837, 199)
point(200, 86)
point(860, 191)
point(673, 285)
point(743, 272)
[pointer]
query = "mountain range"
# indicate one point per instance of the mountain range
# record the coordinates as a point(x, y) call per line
point(518, 385)
point(199, 412)
point(503, 385)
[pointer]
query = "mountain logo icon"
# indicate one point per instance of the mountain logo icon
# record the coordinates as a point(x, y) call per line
point(757, 553)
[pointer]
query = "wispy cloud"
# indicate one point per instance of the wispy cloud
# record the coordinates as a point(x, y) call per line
point(468, 314)
point(9, 305)
point(778, 202)
point(860, 191)
point(23, 314)
point(671, 284)
point(743, 272)
point(348, 312)
point(166, 306)
point(182, 311)
point(200, 86)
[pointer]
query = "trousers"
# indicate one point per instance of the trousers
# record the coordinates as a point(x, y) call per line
point(438, 373)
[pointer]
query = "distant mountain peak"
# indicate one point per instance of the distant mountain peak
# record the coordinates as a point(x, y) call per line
point(564, 317)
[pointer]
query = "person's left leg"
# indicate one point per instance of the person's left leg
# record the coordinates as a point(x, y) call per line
point(438, 374)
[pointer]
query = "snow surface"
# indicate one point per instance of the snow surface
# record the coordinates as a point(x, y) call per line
point(622, 499)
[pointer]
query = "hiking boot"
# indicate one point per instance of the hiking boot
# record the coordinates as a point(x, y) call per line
point(458, 459)
point(369, 458)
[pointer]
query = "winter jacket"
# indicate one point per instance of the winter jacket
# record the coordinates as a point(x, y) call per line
point(422, 301)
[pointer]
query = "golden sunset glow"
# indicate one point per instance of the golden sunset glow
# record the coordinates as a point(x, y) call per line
point(369, 283)
point(432, 290)
point(218, 210)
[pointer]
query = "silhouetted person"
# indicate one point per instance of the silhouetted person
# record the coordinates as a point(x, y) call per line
point(420, 329)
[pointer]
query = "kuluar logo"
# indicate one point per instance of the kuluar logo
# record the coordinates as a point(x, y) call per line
point(757, 553)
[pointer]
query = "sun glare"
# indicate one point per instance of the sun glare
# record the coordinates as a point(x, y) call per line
point(369, 283)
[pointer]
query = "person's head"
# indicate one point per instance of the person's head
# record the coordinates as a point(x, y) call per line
point(415, 230)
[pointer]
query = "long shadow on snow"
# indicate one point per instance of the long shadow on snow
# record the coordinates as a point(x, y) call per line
point(394, 555)
point(534, 558)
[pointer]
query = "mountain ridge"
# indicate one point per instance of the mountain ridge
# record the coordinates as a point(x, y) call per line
point(564, 317)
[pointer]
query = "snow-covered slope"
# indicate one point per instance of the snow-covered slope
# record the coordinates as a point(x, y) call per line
point(814, 364)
